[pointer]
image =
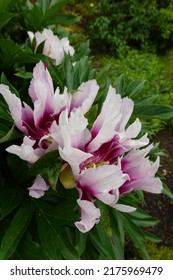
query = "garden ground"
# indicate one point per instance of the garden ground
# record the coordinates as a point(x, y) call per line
point(161, 206)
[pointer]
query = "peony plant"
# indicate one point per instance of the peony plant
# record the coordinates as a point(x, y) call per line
point(53, 47)
point(76, 160)
point(102, 163)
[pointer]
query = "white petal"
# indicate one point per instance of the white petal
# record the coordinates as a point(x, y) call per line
point(25, 151)
point(14, 105)
point(124, 208)
point(41, 83)
point(101, 180)
point(105, 134)
point(126, 111)
point(31, 35)
point(73, 128)
point(85, 96)
point(61, 101)
point(74, 157)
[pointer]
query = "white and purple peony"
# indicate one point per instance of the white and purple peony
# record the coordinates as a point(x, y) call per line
point(102, 163)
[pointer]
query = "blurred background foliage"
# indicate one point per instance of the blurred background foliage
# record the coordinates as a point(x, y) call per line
point(136, 37)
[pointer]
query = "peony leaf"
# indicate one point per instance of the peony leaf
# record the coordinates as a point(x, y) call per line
point(49, 167)
point(154, 110)
point(15, 230)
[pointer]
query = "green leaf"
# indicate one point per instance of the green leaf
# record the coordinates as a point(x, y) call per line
point(18, 169)
point(68, 72)
point(26, 57)
point(53, 10)
point(154, 110)
point(50, 240)
point(34, 18)
point(167, 192)
point(7, 119)
point(120, 85)
point(142, 219)
point(135, 233)
point(80, 72)
point(53, 211)
point(48, 166)
point(43, 4)
point(6, 82)
point(8, 51)
point(81, 50)
point(134, 88)
point(3, 130)
point(9, 200)
point(101, 77)
point(80, 242)
point(146, 100)
point(50, 230)
point(28, 249)
point(7, 4)
point(151, 237)
point(11, 135)
point(4, 18)
point(63, 19)
point(97, 238)
point(91, 115)
point(23, 74)
point(15, 230)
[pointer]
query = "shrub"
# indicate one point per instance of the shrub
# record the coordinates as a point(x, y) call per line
point(143, 24)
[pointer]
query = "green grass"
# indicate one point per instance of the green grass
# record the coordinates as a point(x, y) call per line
point(167, 61)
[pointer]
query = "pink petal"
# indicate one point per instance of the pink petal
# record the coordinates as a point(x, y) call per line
point(89, 215)
point(38, 188)
point(141, 172)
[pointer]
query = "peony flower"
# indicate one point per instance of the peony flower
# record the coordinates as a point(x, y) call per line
point(102, 163)
point(53, 46)
point(96, 156)
point(140, 171)
point(37, 123)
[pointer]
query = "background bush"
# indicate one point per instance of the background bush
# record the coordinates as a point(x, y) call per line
point(144, 24)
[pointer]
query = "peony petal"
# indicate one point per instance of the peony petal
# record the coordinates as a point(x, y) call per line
point(38, 188)
point(100, 181)
point(14, 104)
point(41, 78)
point(74, 157)
point(141, 172)
point(89, 215)
point(85, 96)
point(124, 208)
point(25, 151)
point(53, 46)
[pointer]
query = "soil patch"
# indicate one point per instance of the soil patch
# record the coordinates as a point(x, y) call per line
point(161, 206)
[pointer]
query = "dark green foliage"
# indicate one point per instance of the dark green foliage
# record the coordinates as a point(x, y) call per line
point(142, 24)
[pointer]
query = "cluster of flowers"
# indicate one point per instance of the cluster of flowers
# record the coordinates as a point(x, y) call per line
point(102, 163)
